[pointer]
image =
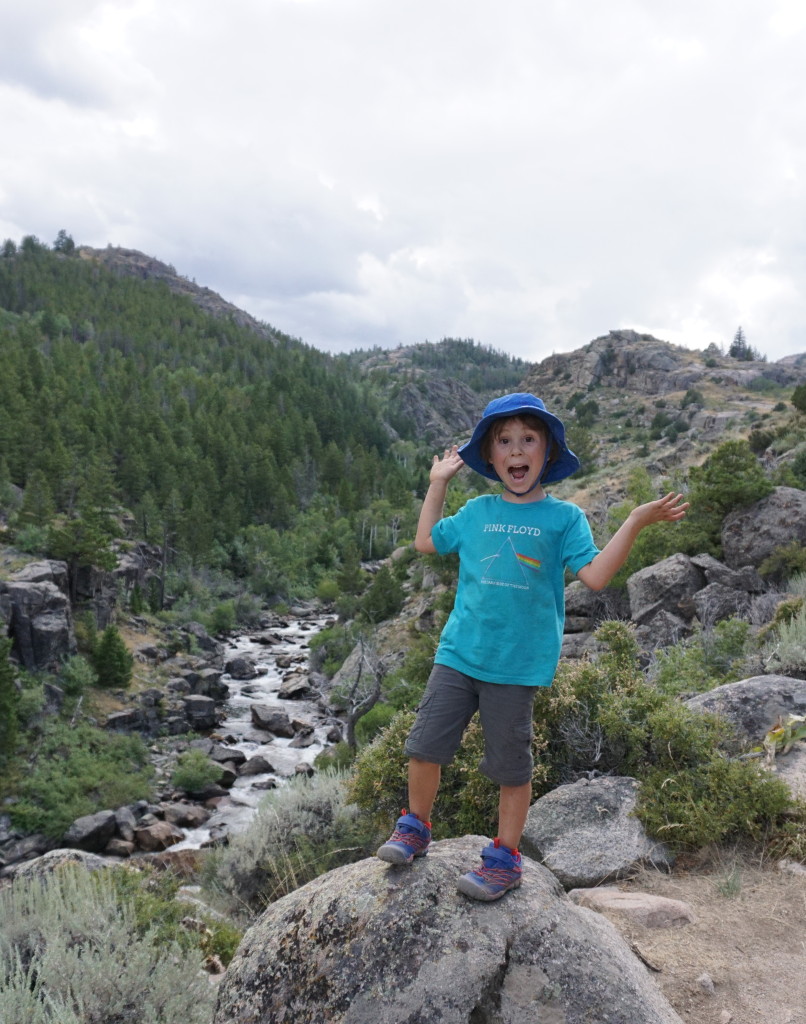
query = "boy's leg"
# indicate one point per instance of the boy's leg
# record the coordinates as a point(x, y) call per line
point(506, 719)
point(448, 704)
point(513, 806)
point(423, 786)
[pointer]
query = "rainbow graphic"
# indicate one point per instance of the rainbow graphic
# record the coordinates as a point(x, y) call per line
point(533, 563)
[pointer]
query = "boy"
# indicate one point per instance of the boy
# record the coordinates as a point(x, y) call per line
point(503, 637)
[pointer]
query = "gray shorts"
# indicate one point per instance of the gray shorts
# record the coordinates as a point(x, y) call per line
point(505, 711)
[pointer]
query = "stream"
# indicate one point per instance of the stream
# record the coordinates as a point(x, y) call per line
point(279, 650)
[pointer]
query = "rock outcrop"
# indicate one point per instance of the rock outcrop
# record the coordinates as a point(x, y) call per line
point(40, 620)
point(368, 943)
point(644, 365)
point(750, 534)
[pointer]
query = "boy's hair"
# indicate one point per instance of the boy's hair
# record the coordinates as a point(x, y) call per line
point(532, 422)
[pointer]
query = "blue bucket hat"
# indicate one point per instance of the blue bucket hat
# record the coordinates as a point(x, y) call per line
point(505, 408)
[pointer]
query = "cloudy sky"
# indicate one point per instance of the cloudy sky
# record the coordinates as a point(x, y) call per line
point(527, 173)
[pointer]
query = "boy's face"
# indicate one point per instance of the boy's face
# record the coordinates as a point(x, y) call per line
point(517, 454)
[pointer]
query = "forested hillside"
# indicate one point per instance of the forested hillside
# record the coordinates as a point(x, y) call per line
point(230, 441)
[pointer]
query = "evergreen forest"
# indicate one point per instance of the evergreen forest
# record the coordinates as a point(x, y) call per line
point(122, 401)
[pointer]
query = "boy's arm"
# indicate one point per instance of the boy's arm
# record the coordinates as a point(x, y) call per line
point(442, 471)
point(599, 572)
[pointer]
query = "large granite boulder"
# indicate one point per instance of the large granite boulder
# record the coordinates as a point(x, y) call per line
point(750, 534)
point(585, 833)
point(368, 943)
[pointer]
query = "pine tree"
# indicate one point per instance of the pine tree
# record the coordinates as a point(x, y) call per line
point(112, 660)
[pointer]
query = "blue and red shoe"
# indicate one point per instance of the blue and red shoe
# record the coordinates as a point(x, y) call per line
point(411, 838)
point(501, 871)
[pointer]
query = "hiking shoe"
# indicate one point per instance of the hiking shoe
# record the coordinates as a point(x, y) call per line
point(501, 871)
point(410, 839)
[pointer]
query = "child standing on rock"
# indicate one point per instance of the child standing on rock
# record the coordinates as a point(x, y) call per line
point(503, 637)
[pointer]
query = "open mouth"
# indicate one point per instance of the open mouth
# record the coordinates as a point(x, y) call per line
point(518, 473)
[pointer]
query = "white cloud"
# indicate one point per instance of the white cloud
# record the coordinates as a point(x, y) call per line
point(530, 175)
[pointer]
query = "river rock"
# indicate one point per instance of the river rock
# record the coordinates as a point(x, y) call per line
point(202, 640)
point(200, 712)
point(585, 832)
point(221, 753)
point(256, 765)
point(125, 823)
point(295, 686)
point(158, 836)
point(91, 832)
point(185, 815)
point(119, 848)
point(242, 667)
point(368, 943)
point(272, 720)
point(304, 738)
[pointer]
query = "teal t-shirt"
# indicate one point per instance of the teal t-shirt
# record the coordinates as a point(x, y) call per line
point(507, 623)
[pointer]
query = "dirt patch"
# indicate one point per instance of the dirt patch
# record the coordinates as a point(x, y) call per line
point(743, 960)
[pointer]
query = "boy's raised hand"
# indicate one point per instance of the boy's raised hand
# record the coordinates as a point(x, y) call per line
point(443, 469)
point(665, 510)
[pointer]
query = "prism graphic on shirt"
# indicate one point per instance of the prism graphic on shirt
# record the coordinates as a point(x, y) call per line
point(507, 568)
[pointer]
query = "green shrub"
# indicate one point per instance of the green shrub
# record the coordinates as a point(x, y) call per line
point(720, 799)
point(31, 539)
point(702, 661)
point(329, 648)
point(383, 599)
point(77, 676)
point(79, 770)
point(221, 619)
point(194, 771)
point(692, 397)
point(798, 398)
point(785, 652)
point(327, 590)
point(299, 832)
point(785, 561)
point(152, 895)
point(71, 951)
point(760, 440)
point(730, 478)
point(378, 718)
point(30, 700)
